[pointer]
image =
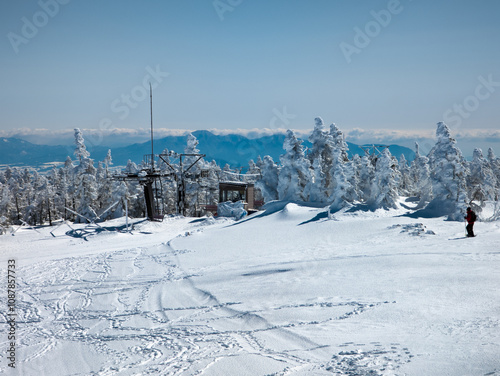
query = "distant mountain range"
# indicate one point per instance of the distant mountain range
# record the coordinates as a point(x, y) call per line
point(232, 149)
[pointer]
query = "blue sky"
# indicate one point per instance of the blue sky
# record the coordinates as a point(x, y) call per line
point(372, 65)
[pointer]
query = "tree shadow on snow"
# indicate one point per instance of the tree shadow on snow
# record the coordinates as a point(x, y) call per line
point(349, 209)
point(318, 217)
point(434, 209)
point(269, 209)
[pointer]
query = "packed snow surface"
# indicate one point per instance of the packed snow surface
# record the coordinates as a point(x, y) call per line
point(288, 291)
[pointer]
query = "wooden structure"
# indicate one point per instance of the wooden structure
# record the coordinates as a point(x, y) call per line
point(234, 191)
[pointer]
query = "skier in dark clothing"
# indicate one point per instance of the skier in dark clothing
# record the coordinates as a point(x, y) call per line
point(471, 218)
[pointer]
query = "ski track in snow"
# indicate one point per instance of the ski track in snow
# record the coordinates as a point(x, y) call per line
point(137, 312)
point(89, 301)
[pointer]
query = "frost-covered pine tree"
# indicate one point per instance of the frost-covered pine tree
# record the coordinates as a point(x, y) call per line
point(321, 157)
point(353, 168)
point(295, 171)
point(44, 200)
point(340, 147)
point(13, 183)
point(131, 168)
point(315, 189)
point(29, 210)
point(86, 192)
point(318, 139)
point(405, 183)
point(268, 183)
point(80, 150)
point(6, 205)
point(85, 181)
point(448, 173)
point(384, 190)
point(212, 183)
point(495, 168)
point(253, 172)
point(421, 178)
point(227, 174)
point(481, 181)
point(335, 153)
point(62, 186)
point(343, 193)
point(192, 148)
point(105, 191)
point(108, 161)
point(122, 195)
point(366, 176)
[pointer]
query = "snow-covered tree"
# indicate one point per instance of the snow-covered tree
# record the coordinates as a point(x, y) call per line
point(335, 153)
point(353, 168)
point(321, 157)
point(253, 172)
point(495, 168)
point(481, 182)
point(318, 139)
point(366, 176)
point(405, 183)
point(192, 148)
point(421, 178)
point(13, 183)
point(108, 161)
point(384, 190)
point(295, 173)
point(448, 173)
point(105, 193)
point(340, 147)
point(211, 183)
point(131, 168)
point(268, 183)
point(315, 189)
point(86, 192)
point(227, 173)
point(80, 150)
point(343, 193)
point(62, 199)
point(7, 207)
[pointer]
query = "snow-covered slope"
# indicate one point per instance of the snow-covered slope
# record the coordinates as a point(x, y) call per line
point(288, 291)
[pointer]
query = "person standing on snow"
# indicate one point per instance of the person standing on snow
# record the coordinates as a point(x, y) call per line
point(471, 218)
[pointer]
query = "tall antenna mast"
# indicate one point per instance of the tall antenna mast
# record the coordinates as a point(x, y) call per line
point(151, 108)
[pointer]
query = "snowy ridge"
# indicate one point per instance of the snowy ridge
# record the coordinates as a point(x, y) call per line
point(288, 291)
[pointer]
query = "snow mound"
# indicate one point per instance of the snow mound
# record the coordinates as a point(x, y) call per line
point(292, 212)
point(231, 209)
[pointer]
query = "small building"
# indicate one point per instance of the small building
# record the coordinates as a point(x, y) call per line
point(234, 191)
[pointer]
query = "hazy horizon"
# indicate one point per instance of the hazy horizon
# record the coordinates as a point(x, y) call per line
point(466, 141)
